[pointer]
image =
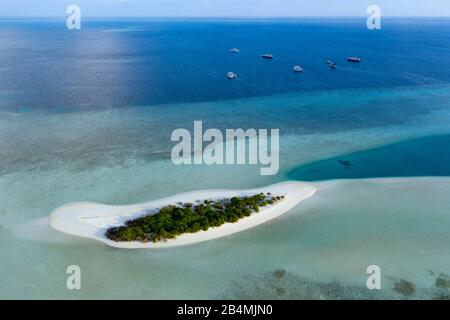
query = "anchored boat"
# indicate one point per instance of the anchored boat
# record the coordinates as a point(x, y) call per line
point(231, 75)
point(354, 59)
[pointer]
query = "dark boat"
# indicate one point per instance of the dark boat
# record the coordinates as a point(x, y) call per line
point(267, 56)
point(332, 65)
point(354, 59)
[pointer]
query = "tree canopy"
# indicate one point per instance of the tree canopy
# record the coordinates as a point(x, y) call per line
point(173, 220)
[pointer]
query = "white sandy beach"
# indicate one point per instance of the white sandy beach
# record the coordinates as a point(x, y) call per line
point(91, 220)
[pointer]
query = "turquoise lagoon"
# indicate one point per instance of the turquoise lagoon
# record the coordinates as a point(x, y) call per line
point(321, 248)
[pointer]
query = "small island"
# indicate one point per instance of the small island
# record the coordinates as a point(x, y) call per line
point(173, 220)
point(182, 219)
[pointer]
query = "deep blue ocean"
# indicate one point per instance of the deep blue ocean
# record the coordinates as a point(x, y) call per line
point(145, 62)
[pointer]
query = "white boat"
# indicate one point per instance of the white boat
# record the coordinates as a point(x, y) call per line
point(231, 75)
point(234, 50)
point(297, 69)
point(354, 59)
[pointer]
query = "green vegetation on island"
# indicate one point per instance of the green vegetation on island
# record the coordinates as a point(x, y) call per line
point(173, 220)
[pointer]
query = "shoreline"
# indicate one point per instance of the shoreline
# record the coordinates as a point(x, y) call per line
point(91, 220)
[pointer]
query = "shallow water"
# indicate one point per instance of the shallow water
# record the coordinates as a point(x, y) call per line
point(326, 242)
point(350, 224)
